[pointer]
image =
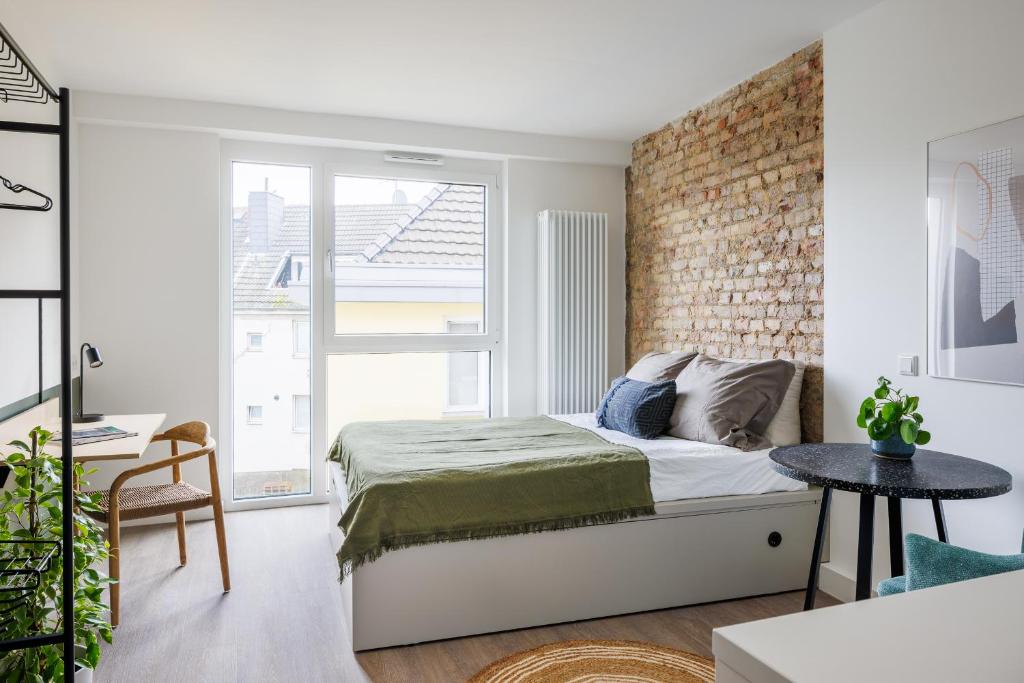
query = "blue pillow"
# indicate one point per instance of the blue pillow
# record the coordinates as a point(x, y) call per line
point(638, 408)
point(932, 563)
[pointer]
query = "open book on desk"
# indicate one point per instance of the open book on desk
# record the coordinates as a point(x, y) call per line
point(83, 436)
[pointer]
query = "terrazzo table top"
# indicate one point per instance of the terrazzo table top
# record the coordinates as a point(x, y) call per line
point(853, 467)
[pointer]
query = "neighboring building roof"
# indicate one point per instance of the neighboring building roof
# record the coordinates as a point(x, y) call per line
point(445, 228)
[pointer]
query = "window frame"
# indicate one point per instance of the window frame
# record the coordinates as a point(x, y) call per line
point(254, 348)
point(324, 163)
point(313, 158)
point(490, 338)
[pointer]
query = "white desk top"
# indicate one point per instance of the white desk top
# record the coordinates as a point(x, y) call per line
point(129, 448)
point(967, 631)
point(46, 414)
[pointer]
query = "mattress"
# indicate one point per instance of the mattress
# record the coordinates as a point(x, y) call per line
point(682, 469)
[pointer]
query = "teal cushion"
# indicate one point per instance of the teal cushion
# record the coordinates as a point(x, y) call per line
point(897, 584)
point(932, 563)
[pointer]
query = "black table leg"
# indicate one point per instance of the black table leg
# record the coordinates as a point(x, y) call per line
point(940, 520)
point(895, 536)
point(819, 537)
point(865, 541)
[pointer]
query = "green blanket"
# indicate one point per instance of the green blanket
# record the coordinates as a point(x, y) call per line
point(418, 482)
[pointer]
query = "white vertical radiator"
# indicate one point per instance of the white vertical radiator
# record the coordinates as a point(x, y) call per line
point(572, 311)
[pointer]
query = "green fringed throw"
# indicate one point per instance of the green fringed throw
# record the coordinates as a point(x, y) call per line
point(415, 482)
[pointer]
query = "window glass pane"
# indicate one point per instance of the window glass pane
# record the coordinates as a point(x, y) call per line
point(270, 317)
point(408, 255)
point(402, 386)
point(463, 380)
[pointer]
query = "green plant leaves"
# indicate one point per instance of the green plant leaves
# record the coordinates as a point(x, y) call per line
point(867, 412)
point(888, 411)
point(908, 430)
point(31, 509)
point(892, 412)
point(880, 430)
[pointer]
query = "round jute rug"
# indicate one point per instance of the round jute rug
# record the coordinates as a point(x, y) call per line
point(599, 661)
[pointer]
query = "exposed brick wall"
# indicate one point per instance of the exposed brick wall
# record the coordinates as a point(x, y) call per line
point(724, 235)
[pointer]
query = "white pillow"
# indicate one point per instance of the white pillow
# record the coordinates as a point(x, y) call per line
point(785, 429)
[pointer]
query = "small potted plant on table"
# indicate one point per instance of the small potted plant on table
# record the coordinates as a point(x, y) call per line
point(892, 421)
point(31, 513)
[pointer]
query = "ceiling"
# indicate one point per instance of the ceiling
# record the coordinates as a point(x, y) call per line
point(583, 68)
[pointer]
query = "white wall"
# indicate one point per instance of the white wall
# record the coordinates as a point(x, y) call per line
point(532, 187)
point(148, 258)
point(897, 76)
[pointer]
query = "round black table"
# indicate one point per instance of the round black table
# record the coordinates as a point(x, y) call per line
point(853, 467)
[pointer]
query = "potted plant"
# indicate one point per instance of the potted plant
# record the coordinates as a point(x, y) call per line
point(31, 511)
point(893, 422)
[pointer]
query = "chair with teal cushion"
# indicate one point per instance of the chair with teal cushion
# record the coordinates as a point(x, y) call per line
point(933, 563)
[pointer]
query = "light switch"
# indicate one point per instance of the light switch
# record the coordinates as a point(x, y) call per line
point(908, 365)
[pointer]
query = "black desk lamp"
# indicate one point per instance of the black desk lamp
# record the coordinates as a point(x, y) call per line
point(90, 352)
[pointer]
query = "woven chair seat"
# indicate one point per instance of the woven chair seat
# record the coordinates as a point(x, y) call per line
point(137, 502)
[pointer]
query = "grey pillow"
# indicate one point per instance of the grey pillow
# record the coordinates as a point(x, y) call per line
point(729, 403)
point(659, 366)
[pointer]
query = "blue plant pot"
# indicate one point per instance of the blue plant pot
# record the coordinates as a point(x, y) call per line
point(894, 447)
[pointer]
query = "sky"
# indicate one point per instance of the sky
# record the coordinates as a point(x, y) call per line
point(293, 183)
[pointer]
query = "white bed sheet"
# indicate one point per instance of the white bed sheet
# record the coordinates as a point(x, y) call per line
point(682, 469)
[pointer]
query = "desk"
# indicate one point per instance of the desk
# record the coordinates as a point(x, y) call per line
point(47, 415)
point(967, 631)
point(929, 475)
point(130, 448)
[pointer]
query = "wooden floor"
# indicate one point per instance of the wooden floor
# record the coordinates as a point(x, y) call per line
point(283, 622)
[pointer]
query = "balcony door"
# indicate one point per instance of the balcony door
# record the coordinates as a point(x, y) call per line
point(271, 236)
point(352, 289)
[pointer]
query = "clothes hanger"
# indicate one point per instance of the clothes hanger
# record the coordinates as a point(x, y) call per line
point(25, 207)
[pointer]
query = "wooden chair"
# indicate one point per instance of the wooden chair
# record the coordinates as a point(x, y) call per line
point(123, 503)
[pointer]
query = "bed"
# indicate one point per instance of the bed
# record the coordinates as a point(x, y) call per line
point(724, 525)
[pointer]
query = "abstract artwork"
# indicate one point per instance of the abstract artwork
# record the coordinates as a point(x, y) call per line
point(976, 254)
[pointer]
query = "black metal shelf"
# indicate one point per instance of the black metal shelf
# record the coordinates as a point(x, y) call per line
point(27, 127)
point(30, 293)
point(22, 564)
point(21, 82)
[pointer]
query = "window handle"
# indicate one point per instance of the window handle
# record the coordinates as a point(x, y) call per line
point(330, 260)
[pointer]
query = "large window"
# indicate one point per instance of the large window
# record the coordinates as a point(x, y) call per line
point(355, 289)
point(270, 314)
point(413, 299)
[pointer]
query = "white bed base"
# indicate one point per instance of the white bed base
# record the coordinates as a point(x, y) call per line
point(690, 552)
